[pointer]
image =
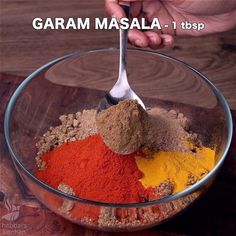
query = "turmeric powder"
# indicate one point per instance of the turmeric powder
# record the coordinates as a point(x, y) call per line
point(182, 168)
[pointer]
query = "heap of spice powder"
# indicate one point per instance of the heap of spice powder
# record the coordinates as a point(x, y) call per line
point(93, 171)
point(126, 130)
point(167, 131)
point(89, 169)
point(181, 168)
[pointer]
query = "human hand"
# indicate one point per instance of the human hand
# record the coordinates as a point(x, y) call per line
point(217, 15)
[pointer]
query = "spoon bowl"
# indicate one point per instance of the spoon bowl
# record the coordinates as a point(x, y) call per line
point(117, 95)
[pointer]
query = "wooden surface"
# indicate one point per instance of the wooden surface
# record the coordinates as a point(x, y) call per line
point(23, 49)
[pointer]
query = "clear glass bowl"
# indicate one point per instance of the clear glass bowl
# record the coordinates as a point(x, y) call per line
point(78, 81)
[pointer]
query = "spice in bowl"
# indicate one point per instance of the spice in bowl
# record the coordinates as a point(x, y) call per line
point(122, 155)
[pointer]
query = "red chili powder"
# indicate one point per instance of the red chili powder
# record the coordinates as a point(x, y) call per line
point(94, 171)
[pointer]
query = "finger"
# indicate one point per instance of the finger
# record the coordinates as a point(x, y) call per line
point(154, 9)
point(154, 39)
point(113, 9)
point(138, 38)
point(135, 9)
point(167, 40)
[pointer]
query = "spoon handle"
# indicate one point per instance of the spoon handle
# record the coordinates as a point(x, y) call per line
point(123, 43)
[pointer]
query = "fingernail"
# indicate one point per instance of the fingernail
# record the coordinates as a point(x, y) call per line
point(167, 42)
point(138, 43)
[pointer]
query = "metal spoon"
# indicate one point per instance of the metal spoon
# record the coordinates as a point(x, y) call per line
point(121, 90)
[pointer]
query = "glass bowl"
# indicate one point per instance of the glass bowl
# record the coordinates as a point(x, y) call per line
point(78, 81)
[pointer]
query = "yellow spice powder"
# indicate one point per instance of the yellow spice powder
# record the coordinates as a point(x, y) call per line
point(179, 167)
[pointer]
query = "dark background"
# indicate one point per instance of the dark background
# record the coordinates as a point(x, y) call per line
point(23, 49)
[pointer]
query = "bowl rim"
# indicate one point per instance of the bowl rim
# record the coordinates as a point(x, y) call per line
point(183, 193)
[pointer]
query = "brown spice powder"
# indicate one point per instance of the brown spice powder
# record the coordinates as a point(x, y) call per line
point(67, 205)
point(73, 127)
point(167, 130)
point(123, 126)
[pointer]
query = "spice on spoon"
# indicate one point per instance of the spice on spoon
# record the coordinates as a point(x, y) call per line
point(123, 126)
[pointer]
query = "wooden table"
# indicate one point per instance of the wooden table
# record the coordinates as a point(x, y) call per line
point(24, 49)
